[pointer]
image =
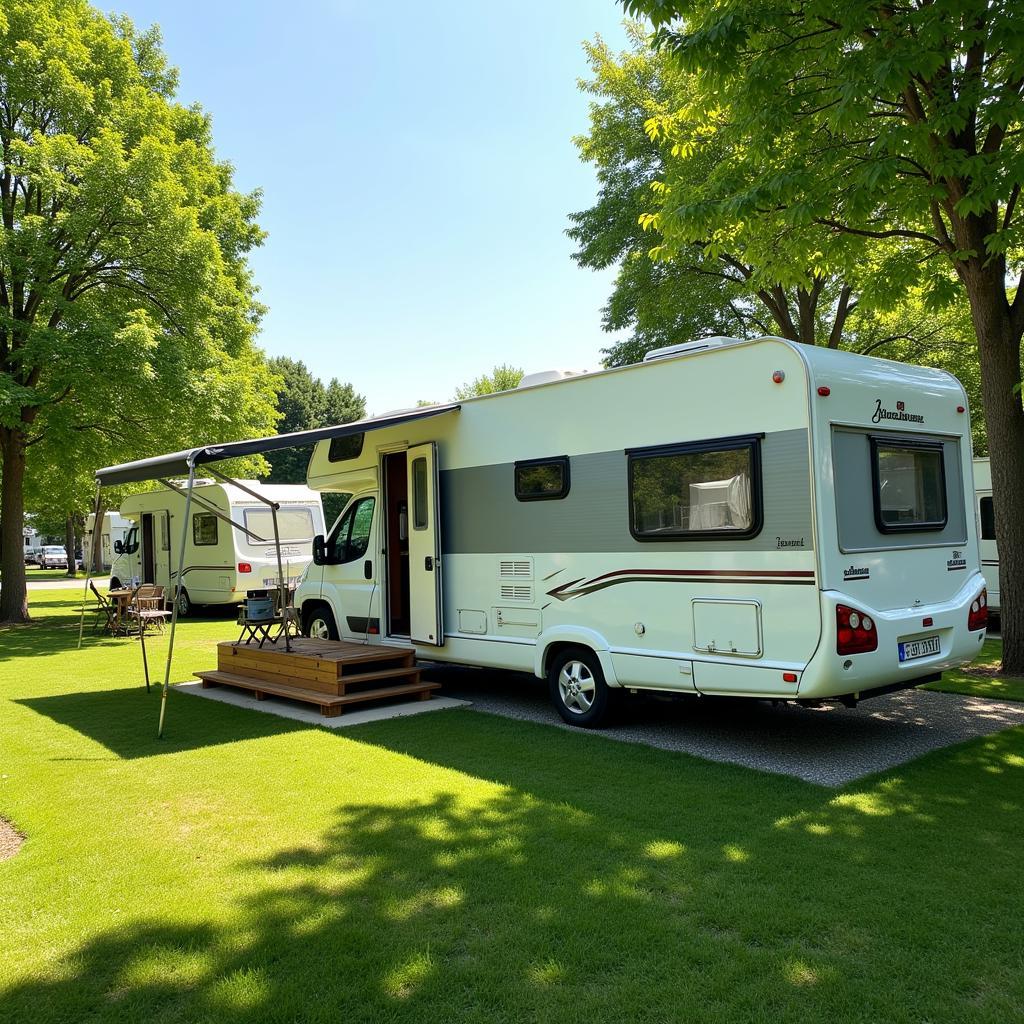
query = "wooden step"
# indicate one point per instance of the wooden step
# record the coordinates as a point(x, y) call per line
point(330, 705)
point(289, 675)
point(314, 662)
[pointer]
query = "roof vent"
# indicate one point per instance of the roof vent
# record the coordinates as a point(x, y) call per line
point(701, 345)
point(547, 377)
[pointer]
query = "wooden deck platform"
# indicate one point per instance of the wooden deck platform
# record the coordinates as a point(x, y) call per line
point(331, 674)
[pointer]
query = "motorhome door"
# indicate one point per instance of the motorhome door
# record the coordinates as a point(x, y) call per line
point(424, 547)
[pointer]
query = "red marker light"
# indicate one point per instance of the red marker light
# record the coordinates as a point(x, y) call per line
point(824, 391)
point(960, 408)
point(778, 376)
point(789, 677)
point(244, 567)
point(927, 622)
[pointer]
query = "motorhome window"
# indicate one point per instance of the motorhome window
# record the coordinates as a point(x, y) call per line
point(344, 448)
point(988, 519)
point(910, 485)
point(696, 490)
point(165, 532)
point(351, 537)
point(542, 479)
point(419, 494)
point(204, 529)
point(293, 524)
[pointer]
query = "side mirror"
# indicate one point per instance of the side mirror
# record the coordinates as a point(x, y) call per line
point(319, 550)
point(118, 548)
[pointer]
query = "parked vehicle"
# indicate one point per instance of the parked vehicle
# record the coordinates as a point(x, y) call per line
point(53, 557)
point(752, 518)
point(987, 531)
point(222, 562)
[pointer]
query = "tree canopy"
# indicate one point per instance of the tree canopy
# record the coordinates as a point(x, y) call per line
point(127, 309)
point(501, 378)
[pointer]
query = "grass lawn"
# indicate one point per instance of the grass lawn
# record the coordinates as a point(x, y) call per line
point(976, 683)
point(462, 867)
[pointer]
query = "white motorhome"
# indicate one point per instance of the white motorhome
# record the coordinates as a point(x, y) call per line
point(115, 528)
point(222, 562)
point(987, 530)
point(754, 518)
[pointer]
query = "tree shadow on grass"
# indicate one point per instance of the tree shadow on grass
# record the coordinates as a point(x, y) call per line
point(569, 894)
point(125, 720)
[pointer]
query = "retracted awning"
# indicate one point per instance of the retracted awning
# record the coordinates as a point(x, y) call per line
point(179, 463)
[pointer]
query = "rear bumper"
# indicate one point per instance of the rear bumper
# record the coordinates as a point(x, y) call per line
point(829, 674)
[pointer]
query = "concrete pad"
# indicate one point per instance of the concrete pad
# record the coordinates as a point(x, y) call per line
point(310, 715)
point(828, 746)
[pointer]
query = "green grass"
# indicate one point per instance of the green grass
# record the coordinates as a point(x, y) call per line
point(975, 684)
point(462, 867)
point(35, 573)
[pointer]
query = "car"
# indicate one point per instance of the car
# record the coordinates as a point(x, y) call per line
point(53, 557)
point(32, 556)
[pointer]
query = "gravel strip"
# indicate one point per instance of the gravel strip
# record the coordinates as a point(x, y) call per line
point(829, 746)
point(10, 839)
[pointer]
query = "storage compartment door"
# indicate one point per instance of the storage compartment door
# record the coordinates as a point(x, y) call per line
point(722, 626)
point(424, 547)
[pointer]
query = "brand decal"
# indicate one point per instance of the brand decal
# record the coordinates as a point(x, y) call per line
point(287, 551)
point(857, 572)
point(899, 413)
point(789, 542)
point(956, 562)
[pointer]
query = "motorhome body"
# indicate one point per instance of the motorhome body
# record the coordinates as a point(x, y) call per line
point(756, 518)
point(221, 562)
point(987, 530)
point(115, 528)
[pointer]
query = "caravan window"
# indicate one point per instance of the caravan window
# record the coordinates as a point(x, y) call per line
point(909, 484)
point(542, 479)
point(988, 520)
point(419, 494)
point(341, 449)
point(204, 529)
point(293, 524)
point(692, 491)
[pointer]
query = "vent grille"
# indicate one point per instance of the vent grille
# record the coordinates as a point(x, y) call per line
point(516, 592)
point(515, 569)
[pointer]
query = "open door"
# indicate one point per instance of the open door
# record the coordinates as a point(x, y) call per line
point(148, 554)
point(424, 547)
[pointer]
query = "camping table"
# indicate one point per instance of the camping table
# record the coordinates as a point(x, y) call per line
point(121, 599)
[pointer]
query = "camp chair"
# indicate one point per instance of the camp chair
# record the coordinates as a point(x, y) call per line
point(106, 616)
point(147, 606)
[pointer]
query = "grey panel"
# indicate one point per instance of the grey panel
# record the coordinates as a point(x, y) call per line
point(480, 513)
point(855, 508)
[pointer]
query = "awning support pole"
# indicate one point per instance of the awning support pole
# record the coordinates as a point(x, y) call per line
point(89, 561)
point(177, 595)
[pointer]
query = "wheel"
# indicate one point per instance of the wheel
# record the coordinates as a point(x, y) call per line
point(578, 689)
point(318, 623)
point(184, 604)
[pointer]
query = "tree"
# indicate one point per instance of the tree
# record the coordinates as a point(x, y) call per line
point(501, 378)
point(896, 125)
point(126, 306)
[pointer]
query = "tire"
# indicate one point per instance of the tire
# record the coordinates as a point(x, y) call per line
point(578, 689)
point(184, 604)
point(318, 623)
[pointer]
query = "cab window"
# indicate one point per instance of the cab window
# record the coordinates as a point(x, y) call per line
point(131, 541)
point(351, 537)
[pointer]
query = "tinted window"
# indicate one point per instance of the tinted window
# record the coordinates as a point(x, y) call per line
point(351, 537)
point(204, 529)
point(988, 519)
point(542, 479)
point(690, 491)
point(910, 485)
point(344, 448)
point(420, 516)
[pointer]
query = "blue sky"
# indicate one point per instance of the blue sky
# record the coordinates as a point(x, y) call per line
point(417, 169)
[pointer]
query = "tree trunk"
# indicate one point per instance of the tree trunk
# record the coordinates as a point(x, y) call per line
point(999, 348)
point(13, 592)
point(69, 545)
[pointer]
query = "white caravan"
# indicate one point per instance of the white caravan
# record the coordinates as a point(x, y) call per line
point(115, 528)
point(987, 530)
point(753, 518)
point(221, 561)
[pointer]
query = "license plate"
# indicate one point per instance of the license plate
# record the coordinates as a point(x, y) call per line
point(911, 649)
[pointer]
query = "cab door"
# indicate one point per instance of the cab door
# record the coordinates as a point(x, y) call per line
point(349, 577)
point(424, 547)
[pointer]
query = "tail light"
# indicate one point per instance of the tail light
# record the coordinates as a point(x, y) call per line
point(855, 631)
point(977, 617)
point(244, 567)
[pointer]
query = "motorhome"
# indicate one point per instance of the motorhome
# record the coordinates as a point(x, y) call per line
point(987, 531)
point(114, 528)
point(755, 518)
point(222, 561)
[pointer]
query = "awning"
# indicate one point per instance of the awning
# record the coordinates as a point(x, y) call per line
point(179, 463)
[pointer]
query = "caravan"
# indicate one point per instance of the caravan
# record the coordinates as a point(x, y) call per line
point(222, 561)
point(115, 528)
point(752, 518)
point(987, 531)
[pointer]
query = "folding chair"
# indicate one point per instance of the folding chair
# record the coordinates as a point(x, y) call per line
point(147, 606)
point(106, 616)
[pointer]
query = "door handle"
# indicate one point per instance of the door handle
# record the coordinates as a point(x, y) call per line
point(428, 563)
point(368, 569)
